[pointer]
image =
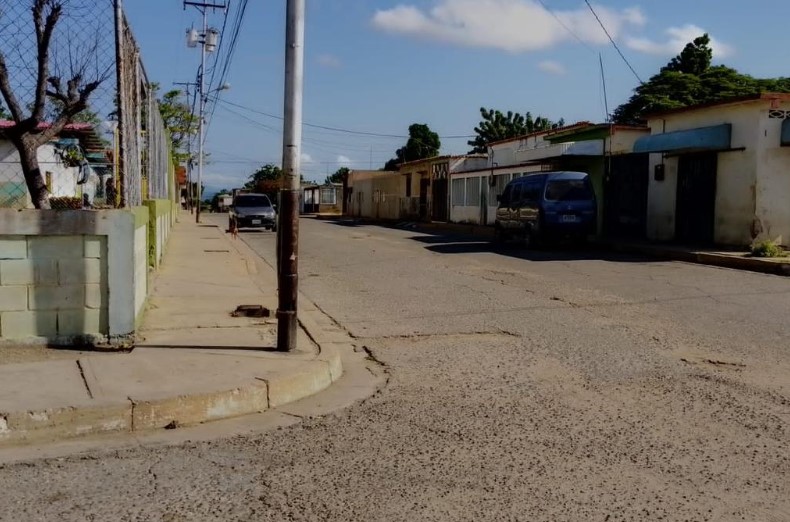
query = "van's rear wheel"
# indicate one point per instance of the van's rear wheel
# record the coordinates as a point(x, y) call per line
point(500, 236)
point(532, 238)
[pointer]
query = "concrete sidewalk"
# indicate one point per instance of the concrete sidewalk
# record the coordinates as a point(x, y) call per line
point(193, 362)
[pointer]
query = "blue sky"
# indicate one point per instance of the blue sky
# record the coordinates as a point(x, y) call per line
point(380, 65)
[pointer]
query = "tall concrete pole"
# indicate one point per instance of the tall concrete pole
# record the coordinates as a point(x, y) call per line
point(201, 93)
point(288, 229)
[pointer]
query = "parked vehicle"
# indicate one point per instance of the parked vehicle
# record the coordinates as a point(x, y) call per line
point(546, 205)
point(252, 211)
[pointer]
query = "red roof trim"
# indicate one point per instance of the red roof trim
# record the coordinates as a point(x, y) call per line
point(539, 133)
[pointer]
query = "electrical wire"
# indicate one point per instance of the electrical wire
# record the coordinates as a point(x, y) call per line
point(617, 48)
point(570, 31)
point(338, 129)
point(231, 50)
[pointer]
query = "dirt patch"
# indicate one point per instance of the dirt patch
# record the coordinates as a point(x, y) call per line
point(29, 354)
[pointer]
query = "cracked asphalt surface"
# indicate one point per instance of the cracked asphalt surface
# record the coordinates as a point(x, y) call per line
point(551, 385)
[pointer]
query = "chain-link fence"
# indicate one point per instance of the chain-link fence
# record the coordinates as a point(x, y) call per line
point(112, 150)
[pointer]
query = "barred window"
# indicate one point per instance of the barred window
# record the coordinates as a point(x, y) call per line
point(458, 190)
point(500, 182)
point(472, 192)
point(328, 196)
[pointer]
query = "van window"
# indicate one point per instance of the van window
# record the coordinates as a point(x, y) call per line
point(531, 191)
point(515, 195)
point(568, 190)
point(506, 195)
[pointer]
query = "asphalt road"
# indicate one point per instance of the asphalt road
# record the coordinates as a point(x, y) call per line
point(552, 385)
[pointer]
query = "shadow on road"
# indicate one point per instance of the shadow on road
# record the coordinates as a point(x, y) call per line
point(448, 244)
point(443, 241)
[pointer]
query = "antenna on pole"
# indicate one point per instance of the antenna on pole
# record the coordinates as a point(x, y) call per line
point(605, 97)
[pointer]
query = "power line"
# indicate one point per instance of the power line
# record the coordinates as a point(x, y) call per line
point(570, 31)
point(617, 48)
point(338, 129)
point(231, 50)
point(314, 142)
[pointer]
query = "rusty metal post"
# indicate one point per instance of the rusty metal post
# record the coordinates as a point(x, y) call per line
point(288, 229)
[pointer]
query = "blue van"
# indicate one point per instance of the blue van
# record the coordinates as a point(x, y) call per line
point(546, 205)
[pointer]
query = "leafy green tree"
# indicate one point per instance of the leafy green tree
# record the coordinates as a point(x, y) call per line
point(180, 122)
point(695, 58)
point(496, 125)
point(422, 143)
point(266, 180)
point(339, 175)
point(690, 79)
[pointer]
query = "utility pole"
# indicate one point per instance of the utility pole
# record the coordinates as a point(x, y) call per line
point(201, 122)
point(208, 43)
point(288, 229)
point(190, 195)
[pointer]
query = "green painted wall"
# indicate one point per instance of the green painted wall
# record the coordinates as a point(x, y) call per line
point(156, 209)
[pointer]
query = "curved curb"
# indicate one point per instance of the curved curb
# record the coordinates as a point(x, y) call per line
point(136, 415)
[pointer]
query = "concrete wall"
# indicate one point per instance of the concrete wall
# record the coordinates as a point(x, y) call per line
point(736, 179)
point(68, 277)
point(622, 141)
point(140, 260)
point(13, 191)
point(376, 195)
point(772, 193)
point(53, 286)
point(161, 214)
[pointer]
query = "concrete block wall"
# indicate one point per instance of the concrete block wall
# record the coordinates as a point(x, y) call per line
point(78, 277)
point(71, 277)
point(53, 286)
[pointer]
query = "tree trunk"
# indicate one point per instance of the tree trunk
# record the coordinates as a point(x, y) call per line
point(28, 158)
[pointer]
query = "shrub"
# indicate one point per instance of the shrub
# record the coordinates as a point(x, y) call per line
point(767, 249)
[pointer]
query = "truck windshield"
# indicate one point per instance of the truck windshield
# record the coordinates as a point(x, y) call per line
point(252, 201)
point(568, 190)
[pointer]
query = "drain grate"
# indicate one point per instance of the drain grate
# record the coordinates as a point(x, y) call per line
point(217, 251)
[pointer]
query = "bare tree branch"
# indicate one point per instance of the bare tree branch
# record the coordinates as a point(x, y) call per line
point(45, 26)
point(77, 101)
point(8, 94)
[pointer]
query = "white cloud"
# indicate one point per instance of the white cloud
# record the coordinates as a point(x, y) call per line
point(677, 38)
point(306, 158)
point(510, 25)
point(329, 61)
point(343, 161)
point(552, 67)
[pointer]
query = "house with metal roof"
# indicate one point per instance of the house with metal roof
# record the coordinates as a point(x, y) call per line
point(720, 172)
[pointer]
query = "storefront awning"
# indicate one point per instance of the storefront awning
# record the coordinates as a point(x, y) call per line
point(691, 140)
point(785, 133)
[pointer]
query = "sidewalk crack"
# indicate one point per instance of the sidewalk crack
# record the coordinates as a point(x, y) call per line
point(268, 391)
point(84, 380)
